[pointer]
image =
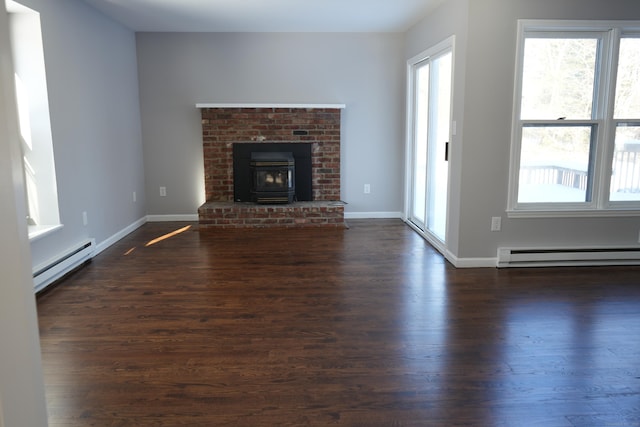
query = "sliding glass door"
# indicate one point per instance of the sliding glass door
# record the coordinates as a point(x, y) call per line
point(430, 122)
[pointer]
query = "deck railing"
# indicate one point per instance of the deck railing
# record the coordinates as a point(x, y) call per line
point(625, 177)
point(626, 172)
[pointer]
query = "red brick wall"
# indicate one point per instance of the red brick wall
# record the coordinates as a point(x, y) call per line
point(221, 127)
point(241, 215)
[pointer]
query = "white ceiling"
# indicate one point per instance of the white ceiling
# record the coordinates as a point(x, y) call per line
point(267, 15)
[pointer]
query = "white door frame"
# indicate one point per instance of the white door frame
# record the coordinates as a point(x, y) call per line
point(447, 44)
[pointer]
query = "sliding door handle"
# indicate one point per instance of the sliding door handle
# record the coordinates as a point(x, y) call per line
point(446, 151)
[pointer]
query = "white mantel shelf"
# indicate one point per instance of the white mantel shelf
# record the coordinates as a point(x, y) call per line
point(205, 105)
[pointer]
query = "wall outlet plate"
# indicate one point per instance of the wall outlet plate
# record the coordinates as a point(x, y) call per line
point(496, 223)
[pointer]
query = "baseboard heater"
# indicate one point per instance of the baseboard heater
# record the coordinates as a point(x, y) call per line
point(531, 257)
point(47, 273)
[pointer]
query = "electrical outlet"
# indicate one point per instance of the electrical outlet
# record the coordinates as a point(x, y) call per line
point(367, 188)
point(163, 191)
point(85, 218)
point(496, 223)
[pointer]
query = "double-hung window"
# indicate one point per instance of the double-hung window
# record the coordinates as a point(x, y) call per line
point(576, 126)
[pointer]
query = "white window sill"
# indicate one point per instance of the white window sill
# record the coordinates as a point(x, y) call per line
point(573, 214)
point(39, 231)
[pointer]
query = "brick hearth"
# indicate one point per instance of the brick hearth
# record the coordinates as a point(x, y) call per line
point(222, 126)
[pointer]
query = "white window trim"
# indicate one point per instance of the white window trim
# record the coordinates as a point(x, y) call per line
point(605, 126)
point(37, 232)
point(28, 54)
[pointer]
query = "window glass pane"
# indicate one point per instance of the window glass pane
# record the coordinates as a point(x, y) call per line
point(625, 176)
point(628, 83)
point(554, 164)
point(438, 166)
point(558, 78)
point(420, 157)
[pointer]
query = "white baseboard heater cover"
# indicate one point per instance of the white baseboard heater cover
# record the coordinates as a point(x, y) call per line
point(49, 272)
point(551, 257)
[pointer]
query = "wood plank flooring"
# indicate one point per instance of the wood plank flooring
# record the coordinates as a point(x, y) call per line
point(360, 327)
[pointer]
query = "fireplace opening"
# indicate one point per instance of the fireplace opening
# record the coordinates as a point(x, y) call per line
point(272, 177)
point(260, 171)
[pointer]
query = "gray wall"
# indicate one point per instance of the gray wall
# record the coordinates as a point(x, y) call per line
point(487, 129)
point(93, 94)
point(483, 100)
point(450, 19)
point(110, 142)
point(363, 71)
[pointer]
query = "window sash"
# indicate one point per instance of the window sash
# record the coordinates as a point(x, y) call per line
point(624, 184)
point(598, 37)
point(567, 178)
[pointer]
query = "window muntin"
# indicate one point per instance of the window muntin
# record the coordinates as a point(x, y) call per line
point(569, 151)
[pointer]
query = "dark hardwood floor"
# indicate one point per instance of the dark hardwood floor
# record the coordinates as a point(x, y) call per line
point(360, 327)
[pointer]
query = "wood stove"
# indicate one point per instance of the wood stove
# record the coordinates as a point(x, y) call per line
point(263, 154)
point(272, 177)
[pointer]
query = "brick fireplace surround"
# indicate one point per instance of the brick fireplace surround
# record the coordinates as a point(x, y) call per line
point(226, 124)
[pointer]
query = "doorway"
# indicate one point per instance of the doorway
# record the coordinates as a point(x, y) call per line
point(429, 129)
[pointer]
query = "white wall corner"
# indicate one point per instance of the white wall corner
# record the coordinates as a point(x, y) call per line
point(471, 262)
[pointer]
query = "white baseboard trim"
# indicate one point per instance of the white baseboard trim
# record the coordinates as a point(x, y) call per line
point(372, 215)
point(453, 259)
point(471, 262)
point(119, 235)
point(169, 218)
